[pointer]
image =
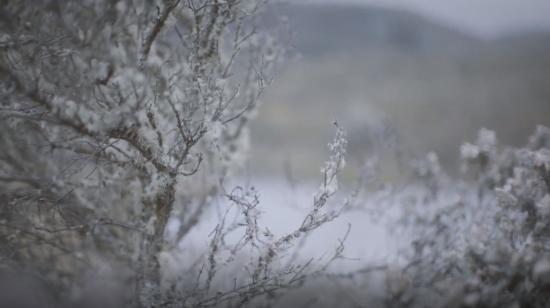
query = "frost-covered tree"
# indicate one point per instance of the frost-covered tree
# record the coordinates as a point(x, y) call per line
point(118, 117)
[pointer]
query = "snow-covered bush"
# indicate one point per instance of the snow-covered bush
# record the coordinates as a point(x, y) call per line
point(480, 243)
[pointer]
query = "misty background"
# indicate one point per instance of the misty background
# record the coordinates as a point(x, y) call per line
point(431, 73)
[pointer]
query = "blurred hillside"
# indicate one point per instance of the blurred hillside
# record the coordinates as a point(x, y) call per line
point(383, 72)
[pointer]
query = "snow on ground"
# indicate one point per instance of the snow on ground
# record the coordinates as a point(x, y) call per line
point(283, 208)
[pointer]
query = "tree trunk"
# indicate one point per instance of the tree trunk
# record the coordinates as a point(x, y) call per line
point(148, 289)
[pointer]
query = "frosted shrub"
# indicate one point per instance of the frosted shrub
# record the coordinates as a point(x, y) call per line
point(486, 243)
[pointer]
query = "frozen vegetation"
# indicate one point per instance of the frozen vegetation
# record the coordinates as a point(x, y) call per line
point(124, 128)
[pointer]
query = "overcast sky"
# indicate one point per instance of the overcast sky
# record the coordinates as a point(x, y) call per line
point(484, 17)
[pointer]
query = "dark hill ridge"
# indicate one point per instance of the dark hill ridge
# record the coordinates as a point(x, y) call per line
point(321, 29)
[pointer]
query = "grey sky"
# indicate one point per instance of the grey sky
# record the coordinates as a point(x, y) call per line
point(484, 17)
